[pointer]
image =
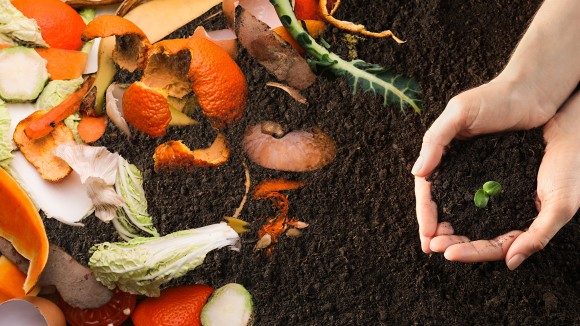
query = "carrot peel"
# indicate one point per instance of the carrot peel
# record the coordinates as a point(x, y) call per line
point(45, 124)
point(90, 129)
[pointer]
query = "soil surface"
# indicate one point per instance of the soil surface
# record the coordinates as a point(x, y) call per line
point(359, 262)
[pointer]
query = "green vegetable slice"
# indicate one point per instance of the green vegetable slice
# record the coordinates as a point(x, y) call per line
point(229, 305)
point(23, 74)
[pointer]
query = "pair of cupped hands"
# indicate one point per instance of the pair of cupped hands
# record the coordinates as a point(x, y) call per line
point(505, 104)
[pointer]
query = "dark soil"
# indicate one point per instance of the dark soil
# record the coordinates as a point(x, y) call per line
point(359, 262)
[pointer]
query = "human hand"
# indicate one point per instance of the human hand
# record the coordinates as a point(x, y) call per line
point(558, 200)
point(497, 106)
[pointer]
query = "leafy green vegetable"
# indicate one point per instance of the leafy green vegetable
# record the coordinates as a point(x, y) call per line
point(23, 74)
point(72, 122)
point(229, 305)
point(5, 137)
point(142, 265)
point(132, 220)
point(373, 78)
point(16, 29)
point(87, 14)
point(57, 91)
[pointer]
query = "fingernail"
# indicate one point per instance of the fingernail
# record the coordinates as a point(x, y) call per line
point(515, 261)
point(418, 165)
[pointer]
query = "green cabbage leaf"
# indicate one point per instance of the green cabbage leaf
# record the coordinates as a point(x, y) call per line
point(16, 29)
point(142, 265)
point(132, 220)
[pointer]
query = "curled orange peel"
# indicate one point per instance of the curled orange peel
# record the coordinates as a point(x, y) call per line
point(216, 80)
point(146, 109)
point(131, 46)
point(175, 154)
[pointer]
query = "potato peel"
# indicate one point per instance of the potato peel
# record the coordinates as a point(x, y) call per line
point(293, 92)
point(272, 52)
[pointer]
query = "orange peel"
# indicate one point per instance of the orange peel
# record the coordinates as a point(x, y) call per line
point(175, 154)
point(21, 224)
point(146, 109)
point(215, 78)
point(131, 45)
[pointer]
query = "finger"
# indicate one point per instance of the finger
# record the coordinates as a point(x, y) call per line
point(442, 242)
point(426, 212)
point(444, 228)
point(439, 135)
point(482, 250)
point(545, 226)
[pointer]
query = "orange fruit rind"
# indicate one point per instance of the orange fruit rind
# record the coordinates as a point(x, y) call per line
point(132, 45)
point(175, 154)
point(146, 109)
point(214, 77)
point(40, 152)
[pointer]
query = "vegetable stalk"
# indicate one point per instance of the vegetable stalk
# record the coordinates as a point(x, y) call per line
point(142, 265)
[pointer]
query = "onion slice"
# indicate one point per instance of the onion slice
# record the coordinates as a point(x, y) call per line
point(224, 38)
point(114, 96)
point(297, 151)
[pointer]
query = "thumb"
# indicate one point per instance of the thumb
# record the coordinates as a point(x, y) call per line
point(549, 221)
point(440, 134)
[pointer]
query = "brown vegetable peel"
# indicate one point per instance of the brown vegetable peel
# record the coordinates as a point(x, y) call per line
point(272, 52)
point(75, 282)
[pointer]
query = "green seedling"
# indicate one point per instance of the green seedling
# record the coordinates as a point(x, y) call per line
point(490, 188)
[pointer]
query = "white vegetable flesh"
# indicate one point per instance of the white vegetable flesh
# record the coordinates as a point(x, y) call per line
point(23, 74)
point(229, 305)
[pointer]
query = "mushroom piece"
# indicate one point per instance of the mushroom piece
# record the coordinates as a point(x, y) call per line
point(267, 145)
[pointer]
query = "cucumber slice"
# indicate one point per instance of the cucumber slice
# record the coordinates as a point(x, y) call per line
point(229, 305)
point(23, 74)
